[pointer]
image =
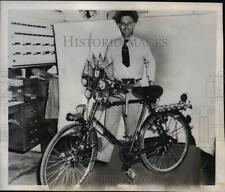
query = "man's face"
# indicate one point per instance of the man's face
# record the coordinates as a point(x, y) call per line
point(126, 26)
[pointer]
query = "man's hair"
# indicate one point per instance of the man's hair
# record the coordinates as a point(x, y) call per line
point(120, 14)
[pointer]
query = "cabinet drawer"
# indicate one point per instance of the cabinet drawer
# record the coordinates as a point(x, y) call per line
point(33, 142)
point(13, 110)
point(31, 122)
point(33, 132)
point(15, 116)
point(32, 111)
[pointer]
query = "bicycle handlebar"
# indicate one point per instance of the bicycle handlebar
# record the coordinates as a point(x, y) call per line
point(119, 87)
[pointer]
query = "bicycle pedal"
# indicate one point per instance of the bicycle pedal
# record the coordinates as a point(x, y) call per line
point(130, 174)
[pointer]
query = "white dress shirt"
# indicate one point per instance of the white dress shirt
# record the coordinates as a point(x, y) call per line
point(141, 59)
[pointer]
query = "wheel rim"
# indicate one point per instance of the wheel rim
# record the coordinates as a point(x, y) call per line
point(167, 153)
point(67, 163)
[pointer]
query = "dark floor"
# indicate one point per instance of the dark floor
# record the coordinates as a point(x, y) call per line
point(198, 168)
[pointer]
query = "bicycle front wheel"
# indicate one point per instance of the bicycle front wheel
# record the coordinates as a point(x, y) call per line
point(69, 157)
point(164, 141)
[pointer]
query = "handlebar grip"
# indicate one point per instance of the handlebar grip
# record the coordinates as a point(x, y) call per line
point(118, 85)
point(70, 117)
point(125, 91)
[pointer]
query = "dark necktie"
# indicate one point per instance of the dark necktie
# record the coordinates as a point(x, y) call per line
point(125, 54)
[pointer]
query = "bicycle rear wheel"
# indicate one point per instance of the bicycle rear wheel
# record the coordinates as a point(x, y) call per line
point(165, 141)
point(69, 157)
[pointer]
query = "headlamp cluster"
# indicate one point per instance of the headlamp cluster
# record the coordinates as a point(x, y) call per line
point(96, 83)
point(88, 93)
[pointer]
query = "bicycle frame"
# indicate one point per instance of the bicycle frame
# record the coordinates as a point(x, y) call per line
point(106, 133)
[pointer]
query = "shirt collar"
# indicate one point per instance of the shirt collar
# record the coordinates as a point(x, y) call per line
point(132, 37)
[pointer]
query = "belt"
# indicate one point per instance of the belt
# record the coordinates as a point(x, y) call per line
point(130, 81)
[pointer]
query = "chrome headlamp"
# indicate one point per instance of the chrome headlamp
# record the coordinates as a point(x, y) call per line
point(102, 84)
point(88, 93)
point(84, 81)
point(97, 73)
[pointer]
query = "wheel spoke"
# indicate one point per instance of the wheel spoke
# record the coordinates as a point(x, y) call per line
point(159, 162)
point(54, 156)
point(66, 146)
point(52, 174)
point(56, 151)
point(67, 176)
point(150, 154)
point(178, 150)
point(57, 177)
point(168, 158)
point(73, 177)
point(175, 130)
point(176, 154)
point(82, 169)
point(63, 165)
point(48, 167)
point(76, 174)
point(167, 126)
point(171, 157)
point(62, 181)
point(55, 161)
point(155, 159)
point(171, 123)
point(165, 161)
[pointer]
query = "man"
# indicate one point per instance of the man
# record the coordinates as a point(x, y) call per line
point(131, 57)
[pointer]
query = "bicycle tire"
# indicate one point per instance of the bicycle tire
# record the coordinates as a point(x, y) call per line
point(153, 164)
point(55, 142)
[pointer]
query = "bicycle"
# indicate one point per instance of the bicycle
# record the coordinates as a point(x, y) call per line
point(160, 140)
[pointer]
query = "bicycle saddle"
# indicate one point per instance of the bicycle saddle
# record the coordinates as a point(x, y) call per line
point(148, 92)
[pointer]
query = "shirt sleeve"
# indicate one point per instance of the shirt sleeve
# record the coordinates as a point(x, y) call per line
point(149, 63)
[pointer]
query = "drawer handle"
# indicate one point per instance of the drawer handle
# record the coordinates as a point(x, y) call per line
point(34, 140)
point(33, 131)
point(33, 122)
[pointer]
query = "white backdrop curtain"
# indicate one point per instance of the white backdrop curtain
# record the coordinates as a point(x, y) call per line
point(75, 42)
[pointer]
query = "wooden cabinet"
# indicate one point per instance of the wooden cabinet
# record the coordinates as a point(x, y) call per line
point(26, 119)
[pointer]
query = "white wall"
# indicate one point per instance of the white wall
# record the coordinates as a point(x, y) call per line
point(184, 48)
point(45, 16)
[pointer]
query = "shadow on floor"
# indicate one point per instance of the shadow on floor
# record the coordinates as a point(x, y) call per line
point(198, 168)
